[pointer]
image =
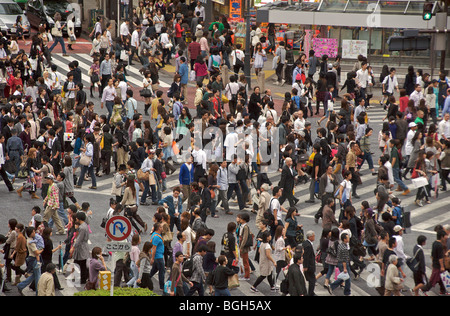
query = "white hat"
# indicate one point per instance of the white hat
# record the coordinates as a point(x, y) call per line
point(397, 228)
point(199, 26)
point(412, 124)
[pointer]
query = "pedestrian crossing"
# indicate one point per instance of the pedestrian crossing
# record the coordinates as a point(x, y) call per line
point(134, 77)
point(423, 219)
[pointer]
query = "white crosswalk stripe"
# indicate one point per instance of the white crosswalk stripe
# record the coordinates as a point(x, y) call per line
point(134, 77)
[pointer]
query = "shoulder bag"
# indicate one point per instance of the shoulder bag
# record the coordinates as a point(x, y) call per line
point(85, 160)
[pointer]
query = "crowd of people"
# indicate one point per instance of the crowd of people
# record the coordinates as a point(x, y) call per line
point(54, 137)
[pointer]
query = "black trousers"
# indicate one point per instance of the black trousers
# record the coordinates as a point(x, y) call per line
point(5, 179)
point(288, 195)
point(84, 272)
point(311, 278)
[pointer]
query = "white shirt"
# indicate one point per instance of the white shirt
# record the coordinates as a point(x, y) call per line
point(2, 157)
point(275, 205)
point(230, 140)
point(444, 129)
point(388, 166)
point(299, 124)
point(362, 78)
point(135, 39)
point(237, 53)
point(159, 23)
point(272, 113)
point(201, 10)
point(390, 83)
point(347, 185)
point(124, 30)
point(399, 249)
point(409, 146)
point(200, 157)
point(416, 97)
point(123, 89)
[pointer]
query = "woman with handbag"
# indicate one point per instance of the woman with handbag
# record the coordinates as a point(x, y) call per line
point(420, 170)
point(129, 201)
point(266, 263)
point(166, 45)
point(259, 58)
point(71, 33)
point(33, 179)
point(94, 73)
point(370, 234)
point(58, 35)
point(148, 169)
point(147, 92)
point(86, 162)
point(95, 50)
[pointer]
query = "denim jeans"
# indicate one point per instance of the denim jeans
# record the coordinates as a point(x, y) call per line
point(124, 11)
point(135, 275)
point(338, 282)
point(367, 156)
point(158, 266)
point(222, 292)
point(31, 262)
point(147, 188)
point(60, 40)
point(330, 271)
point(109, 107)
point(90, 171)
point(396, 172)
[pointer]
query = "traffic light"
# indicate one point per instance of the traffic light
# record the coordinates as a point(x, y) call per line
point(427, 10)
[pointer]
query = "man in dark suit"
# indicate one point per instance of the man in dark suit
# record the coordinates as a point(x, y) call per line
point(309, 262)
point(297, 286)
point(6, 130)
point(287, 182)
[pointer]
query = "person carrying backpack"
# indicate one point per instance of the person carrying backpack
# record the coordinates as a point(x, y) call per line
point(198, 274)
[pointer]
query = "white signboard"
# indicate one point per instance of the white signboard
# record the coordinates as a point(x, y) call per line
point(352, 48)
point(118, 246)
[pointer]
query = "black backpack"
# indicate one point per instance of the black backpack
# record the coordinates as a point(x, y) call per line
point(241, 175)
point(268, 215)
point(188, 267)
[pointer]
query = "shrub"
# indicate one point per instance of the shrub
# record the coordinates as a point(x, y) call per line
point(118, 292)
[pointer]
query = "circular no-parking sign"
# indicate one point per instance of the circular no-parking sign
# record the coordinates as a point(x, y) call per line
point(118, 228)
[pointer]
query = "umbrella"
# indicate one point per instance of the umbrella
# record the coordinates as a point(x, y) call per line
point(61, 259)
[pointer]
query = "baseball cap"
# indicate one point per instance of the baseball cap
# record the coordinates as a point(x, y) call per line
point(50, 176)
point(397, 228)
point(38, 218)
point(412, 124)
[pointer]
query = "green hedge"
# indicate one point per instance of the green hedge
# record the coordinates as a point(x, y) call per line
point(118, 292)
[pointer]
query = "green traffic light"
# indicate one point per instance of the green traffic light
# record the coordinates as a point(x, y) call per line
point(427, 16)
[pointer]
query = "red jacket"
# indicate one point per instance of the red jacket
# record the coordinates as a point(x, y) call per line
point(178, 30)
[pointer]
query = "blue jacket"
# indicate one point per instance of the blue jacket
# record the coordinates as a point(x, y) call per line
point(169, 201)
point(184, 73)
point(186, 177)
